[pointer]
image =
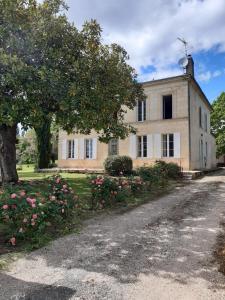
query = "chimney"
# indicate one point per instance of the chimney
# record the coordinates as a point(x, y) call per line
point(190, 66)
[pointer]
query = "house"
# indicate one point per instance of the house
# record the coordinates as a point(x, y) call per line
point(173, 124)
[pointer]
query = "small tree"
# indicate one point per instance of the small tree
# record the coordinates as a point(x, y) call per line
point(218, 123)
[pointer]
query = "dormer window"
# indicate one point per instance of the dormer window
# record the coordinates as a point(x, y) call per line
point(141, 105)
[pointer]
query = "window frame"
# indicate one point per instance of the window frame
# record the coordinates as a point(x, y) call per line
point(88, 143)
point(70, 149)
point(116, 145)
point(166, 142)
point(141, 110)
point(200, 116)
point(142, 146)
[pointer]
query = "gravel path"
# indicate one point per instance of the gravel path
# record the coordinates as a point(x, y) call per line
point(160, 250)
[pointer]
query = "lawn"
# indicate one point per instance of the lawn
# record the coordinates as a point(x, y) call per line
point(78, 182)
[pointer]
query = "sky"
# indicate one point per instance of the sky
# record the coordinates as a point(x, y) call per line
point(148, 30)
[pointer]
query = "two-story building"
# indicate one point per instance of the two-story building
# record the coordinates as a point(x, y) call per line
point(173, 124)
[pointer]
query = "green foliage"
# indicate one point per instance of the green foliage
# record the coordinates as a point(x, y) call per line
point(118, 165)
point(218, 123)
point(26, 151)
point(158, 172)
point(50, 69)
point(108, 191)
point(27, 213)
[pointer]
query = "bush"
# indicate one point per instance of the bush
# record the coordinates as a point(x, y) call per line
point(107, 191)
point(118, 165)
point(170, 170)
point(27, 213)
point(159, 172)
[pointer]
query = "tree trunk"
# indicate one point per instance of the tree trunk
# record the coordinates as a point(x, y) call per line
point(8, 153)
point(44, 146)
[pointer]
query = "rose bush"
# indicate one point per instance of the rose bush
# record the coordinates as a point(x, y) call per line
point(27, 213)
point(107, 191)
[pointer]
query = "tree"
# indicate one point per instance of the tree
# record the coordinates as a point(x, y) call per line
point(26, 148)
point(218, 123)
point(50, 69)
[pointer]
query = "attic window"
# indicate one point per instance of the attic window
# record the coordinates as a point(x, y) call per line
point(167, 107)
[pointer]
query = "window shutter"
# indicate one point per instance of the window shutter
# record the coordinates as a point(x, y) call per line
point(64, 149)
point(133, 146)
point(94, 141)
point(149, 145)
point(76, 148)
point(157, 145)
point(177, 145)
point(81, 148)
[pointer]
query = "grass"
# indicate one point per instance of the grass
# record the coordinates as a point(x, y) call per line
point(78, 182)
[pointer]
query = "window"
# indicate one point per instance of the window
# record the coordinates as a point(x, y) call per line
point(141, 110)
point(113, 147)
point(167, 107)
point(142, 146)
point(89, 148)
point(168, 145)
point(70, 146)
point(206, 123)
point(200, 117)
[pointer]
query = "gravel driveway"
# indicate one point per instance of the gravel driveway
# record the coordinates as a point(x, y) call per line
point(160, 250)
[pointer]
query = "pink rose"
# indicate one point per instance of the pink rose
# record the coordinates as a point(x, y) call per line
point(53, 198)
point(5, 206)
point(33, 205)
point(32, 222)
point(64, 186)
point(14, 206)
point(34, 216)
point(25, 220)
point(13, 196)
point(13, 241)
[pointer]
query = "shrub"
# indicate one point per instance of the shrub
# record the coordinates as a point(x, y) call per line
point(107, 191)
point(173, 170)
point(170, 170)
point(28, 213)
point(118, 165)
point(159, 172)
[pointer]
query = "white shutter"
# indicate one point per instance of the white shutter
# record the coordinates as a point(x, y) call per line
point(133, 146)
point(81, 148)
point(94, 145)
point(64, 149)
point(157, 145)
point(176, 145)
point(76, 146)
point(149, 145)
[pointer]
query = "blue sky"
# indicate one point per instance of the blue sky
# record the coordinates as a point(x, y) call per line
point(148, 30)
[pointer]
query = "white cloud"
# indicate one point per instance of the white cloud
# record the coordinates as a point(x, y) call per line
point(209, 75)
point(149, 29)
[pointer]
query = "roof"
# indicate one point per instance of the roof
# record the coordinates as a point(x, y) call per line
point(178, 78)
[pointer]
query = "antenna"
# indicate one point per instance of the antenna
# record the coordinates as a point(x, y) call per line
point(185, 43)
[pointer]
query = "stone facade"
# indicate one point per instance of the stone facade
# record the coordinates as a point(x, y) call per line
point(180, 139)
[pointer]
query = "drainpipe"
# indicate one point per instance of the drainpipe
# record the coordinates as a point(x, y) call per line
point(189, 122)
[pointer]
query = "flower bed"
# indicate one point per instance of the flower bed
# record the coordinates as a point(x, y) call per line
point(107, 191)
point(27, 213)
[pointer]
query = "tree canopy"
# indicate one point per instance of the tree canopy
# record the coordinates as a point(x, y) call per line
point(50, 68)
point(218, 123)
